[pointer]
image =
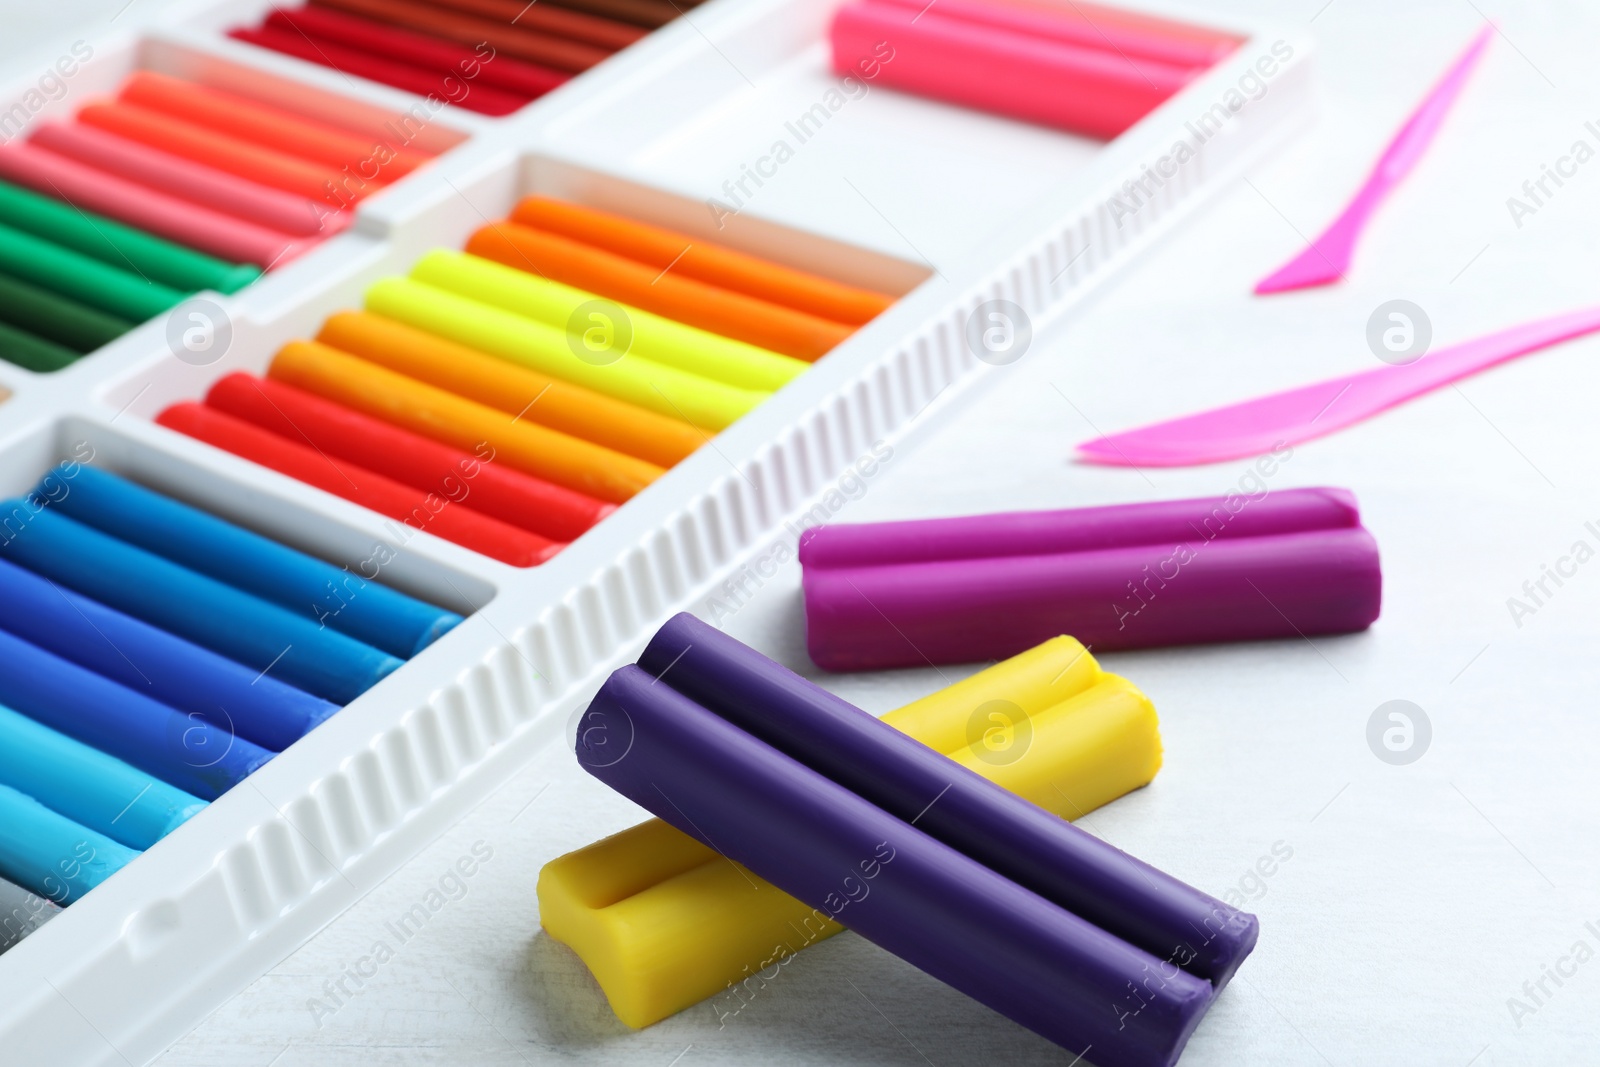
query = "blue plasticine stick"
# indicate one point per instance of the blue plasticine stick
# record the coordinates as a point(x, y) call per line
point(343, 600)
point(51, 855)
point(153, 662)
point(262, 636)
point(180, 749)
point(88, 786)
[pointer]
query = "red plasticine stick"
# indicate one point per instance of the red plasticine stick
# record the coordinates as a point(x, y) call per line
point(496, 490)
point(214, 189)
point(352, 31)
point(548, 49)
point(484, 99)
point(1089, 91)
point(450, 521)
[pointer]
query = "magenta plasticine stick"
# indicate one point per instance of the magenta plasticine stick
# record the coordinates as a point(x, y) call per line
point(204, 186)
point(902, 594)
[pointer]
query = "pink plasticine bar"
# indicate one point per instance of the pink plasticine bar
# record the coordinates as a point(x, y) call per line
point(177, 220)
point(1089, 91)
point(185, 180)
point(1235, 568)
point(1105, 29)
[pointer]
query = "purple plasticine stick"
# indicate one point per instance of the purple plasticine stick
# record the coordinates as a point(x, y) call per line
point(935, 908)
point(1149, 909)
point(905, 594)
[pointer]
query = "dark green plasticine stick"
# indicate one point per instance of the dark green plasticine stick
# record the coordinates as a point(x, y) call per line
point(26, 350)
point(55, 318)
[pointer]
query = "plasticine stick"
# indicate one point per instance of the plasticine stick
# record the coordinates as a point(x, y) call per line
point(1171, 572)
point(185, 180)
point(632, 331)
point(182, 750)
point(664, 922)
point(335, 597)
point(81, 277)
point(706, 261)
point(55, 318)
point(33, 353)
point(49, 854)
point(701, 402)
point(545, 49)
point(974, 927)
point(1108, 29)
point(149, 660)
point(529, 503)
point(793, 333)
point(231, 154)
point(527, 80)
point(526, 394)
point(88, 786)
point(579, 465)
point(123, 247)
point(647, 13)
point(432, 513)
point(1118, 893)
point(193, 227)
point(261, 635)
point(600, 32)
point(443, 88)
point(1085, 90)
point(268, 126)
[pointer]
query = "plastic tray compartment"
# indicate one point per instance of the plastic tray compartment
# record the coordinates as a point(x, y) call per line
point(99, 68)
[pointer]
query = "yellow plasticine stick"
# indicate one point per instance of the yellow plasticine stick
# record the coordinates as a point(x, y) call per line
point(698, 401)
point(650, 336)
point(545, 453)
point(663, 922)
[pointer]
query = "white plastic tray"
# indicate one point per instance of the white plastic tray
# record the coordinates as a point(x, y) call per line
point(951, 207)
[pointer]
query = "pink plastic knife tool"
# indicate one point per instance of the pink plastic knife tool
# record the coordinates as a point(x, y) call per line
point(1270, 422)
point(1327, 258)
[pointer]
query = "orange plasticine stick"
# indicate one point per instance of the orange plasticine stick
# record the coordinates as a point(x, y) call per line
point(781, 329)
point(527, 394)
point(268, 126)
point(408, 403)
point(188, 141)
point(706, 261)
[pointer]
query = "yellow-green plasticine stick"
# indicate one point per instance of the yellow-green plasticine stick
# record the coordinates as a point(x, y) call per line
point(664, 922)
point(652, 337)
point(699, 401)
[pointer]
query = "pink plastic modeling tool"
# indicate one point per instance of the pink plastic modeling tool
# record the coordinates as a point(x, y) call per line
point(1270, 422)
point(1328, 257)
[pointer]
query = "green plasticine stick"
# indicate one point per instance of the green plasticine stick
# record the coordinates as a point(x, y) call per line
point(79, 277)
point(119, 245)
